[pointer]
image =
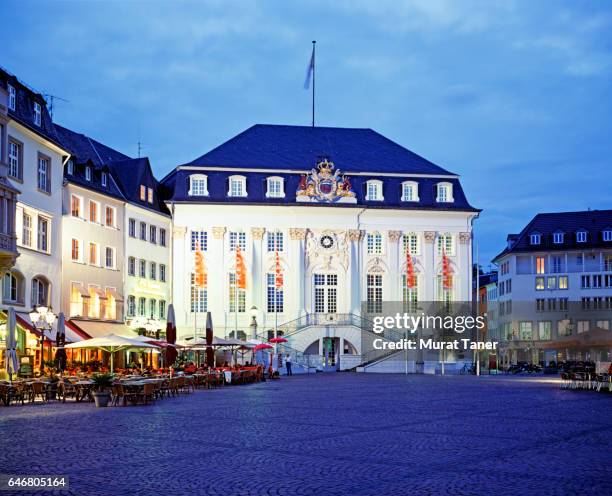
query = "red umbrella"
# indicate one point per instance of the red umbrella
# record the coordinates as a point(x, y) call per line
point(263, 346)
point(277, 340)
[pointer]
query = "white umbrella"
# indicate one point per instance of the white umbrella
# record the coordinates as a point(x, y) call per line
point(111, 343)
point(10, 357)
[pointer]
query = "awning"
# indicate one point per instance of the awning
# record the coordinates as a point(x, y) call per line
point(97, 328)
point(23, 320)
point(99, 291)
point(113, 292)
point(595, 338)
point(82, 290)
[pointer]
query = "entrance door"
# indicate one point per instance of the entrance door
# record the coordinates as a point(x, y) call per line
point(330, 354)
point(325, 293)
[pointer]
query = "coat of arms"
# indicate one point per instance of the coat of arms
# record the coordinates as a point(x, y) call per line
point(323, 184)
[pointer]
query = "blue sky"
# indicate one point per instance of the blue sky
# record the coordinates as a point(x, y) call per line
point(515, 95)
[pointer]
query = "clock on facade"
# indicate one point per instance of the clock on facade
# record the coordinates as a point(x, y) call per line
point(327, 241)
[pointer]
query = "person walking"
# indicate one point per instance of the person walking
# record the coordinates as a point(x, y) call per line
point(288, 365)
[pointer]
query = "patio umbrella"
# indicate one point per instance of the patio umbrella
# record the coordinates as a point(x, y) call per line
point(277, 340)
point(263, 346)
point(60, 342)
point(10, 357)
point(210, 353)
point(111, 343)
point(171, 352)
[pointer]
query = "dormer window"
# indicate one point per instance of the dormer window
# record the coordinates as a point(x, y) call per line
point(88, 173)
point(237, 186)
point(103, 179)
point(535, 239)
point(374, 190)
point(607, 235)
point(581, 237)
point(150, 195)
point(410, 191)
point(198, 185)
point(70, 167)
point(37, 113)
point(143, 192)
point(276, 187)
point(558, 238)
point(444, 193)
point(12, 97)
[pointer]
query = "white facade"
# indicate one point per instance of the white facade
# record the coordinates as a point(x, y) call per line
point(147, 244)
point(37, 273)
point(347, 243)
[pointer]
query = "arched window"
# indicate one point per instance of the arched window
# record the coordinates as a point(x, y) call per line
point(444, 193)
point(237, 186)
point(276, 187)
point(410, 242)
point(374, 190)
point(446, 244)
point(40, 291)
point(198, 185)
point(13, 290)
point(410, 191)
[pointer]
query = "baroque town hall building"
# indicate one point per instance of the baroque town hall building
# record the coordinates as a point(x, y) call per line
point(341, 207)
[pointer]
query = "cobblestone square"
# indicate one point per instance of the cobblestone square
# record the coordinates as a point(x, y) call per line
point(326, 434)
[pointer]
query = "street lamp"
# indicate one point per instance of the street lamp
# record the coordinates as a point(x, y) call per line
point(43, 318)
point(253, 325)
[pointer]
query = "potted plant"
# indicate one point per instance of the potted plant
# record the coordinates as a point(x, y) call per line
point(102, 384)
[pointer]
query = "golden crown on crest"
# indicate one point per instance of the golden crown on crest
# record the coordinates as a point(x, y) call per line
point(324, 164)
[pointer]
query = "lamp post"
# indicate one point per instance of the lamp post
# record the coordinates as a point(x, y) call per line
point(253, 324)
point(43, 318)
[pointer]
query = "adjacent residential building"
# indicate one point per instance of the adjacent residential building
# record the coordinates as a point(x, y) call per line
point(342, 208)
point(35, 159)
point(148, 227)
point(92, 232)
point(555, 281)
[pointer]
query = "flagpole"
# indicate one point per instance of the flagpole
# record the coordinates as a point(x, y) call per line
point(314, 43)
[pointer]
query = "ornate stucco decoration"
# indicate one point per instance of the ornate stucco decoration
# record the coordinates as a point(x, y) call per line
point(355, 234)
point(464, 238)
point(376, 265)
point(297, 233)
point(394, 236)
point(430, 236)
point(218, 232)
point(324, 185)
point(258, 233)
point(327, 249)
point(178, 232)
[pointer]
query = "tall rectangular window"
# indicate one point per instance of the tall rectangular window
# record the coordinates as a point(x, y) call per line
point(199, 297)
point(274, 295)
point(143, 192)
point(525, 330)
point(15, 159)
point(162, 236)
point(410, 243)
point(110, 217)
point(410, 295)
point(93, 254)
point(153, 270)
point(142, 268)
point(132, 228)
point(12, 97)
point(152, 308)
point(153, 234)
point(43, 234)
point(540, 265)
point(94, 209)
point(131, 266)
point(76, 250)
point(162, 272)
point(142, 306)
point(150, 195)
point(26, 238)
point(110, 257)
point(37, 114)
point(237, 237)
point(374, 293)
point(44, 173)
point(374, 243)
point(236, 292)
point(75, 206)
point(446, 244)
point(131, 306)
point(275, 241)
point(143, 231)
point(201, 237)
point(162, 309)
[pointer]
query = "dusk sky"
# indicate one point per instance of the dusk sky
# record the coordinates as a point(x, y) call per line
point(515, 96)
